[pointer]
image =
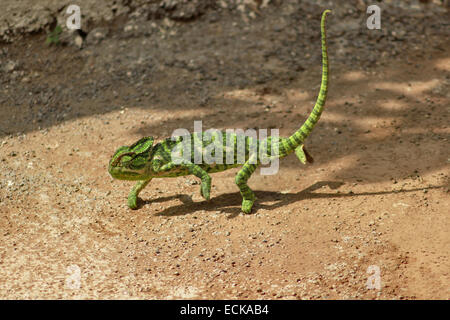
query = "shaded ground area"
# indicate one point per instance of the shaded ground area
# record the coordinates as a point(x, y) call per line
point(377, 194)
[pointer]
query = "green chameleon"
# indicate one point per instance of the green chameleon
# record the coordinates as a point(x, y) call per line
point(143, 161)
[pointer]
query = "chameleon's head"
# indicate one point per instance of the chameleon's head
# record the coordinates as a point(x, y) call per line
point(129, 163)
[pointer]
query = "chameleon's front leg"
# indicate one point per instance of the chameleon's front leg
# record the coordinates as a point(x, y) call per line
point(248, 197)
point(133, 196)
point(205, 187)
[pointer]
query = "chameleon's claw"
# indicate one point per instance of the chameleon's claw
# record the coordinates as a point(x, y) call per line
point(205, 190)
point(132, 201)
point(133, 196)
point(205, 187)
point(303, 155)
point(247, 205)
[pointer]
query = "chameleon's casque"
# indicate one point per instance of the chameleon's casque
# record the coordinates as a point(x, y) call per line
point(143, 161)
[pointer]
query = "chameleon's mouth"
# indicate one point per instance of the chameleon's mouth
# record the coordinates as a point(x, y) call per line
point(121, 174)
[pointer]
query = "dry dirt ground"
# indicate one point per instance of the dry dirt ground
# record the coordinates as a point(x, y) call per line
point(376, 198)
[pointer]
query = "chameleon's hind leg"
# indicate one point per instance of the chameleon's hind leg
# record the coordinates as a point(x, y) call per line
point(248, 197)
point(205, 187)
point(303, 155)
point(133, 196)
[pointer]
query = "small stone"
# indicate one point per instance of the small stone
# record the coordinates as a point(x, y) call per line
point(10, 66)
point(97, 35)
point(79, 41)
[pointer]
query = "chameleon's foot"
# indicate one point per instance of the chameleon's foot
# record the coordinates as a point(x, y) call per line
point(133, 196)
point(132, 201)
point(248, 197)
point(303, 155)
point(247, 205)
point(205, 188)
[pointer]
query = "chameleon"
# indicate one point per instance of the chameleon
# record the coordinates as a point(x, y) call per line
point(143, 161)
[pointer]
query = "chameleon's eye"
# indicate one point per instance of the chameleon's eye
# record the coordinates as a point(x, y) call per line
point(117, 160)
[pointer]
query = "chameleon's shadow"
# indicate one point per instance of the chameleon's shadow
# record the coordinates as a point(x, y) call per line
point(227, 203)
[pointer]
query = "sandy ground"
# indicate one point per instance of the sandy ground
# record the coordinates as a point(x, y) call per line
point(376, 198)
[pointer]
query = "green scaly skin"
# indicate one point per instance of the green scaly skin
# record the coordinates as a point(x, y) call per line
point(142, 161)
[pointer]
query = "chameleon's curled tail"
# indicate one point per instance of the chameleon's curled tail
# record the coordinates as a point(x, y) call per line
point(296, 140)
